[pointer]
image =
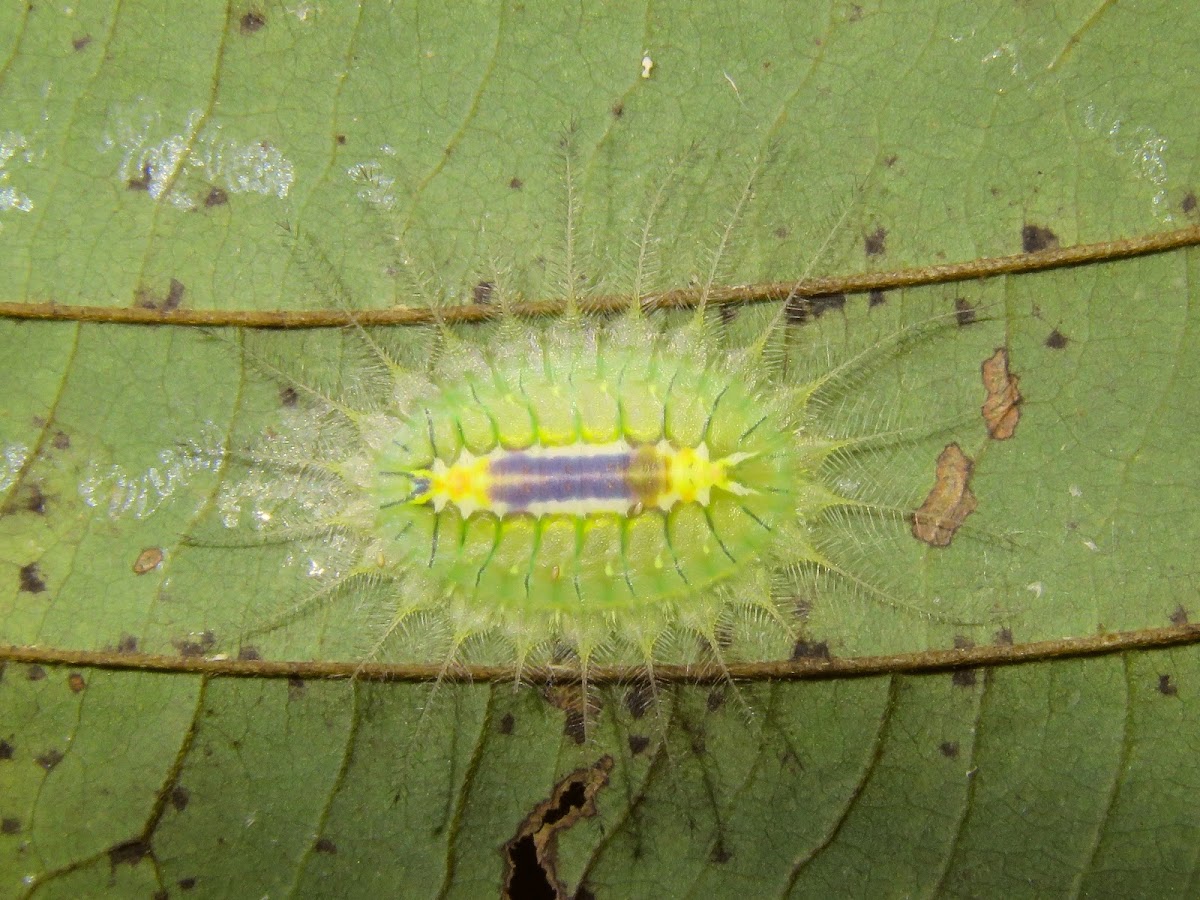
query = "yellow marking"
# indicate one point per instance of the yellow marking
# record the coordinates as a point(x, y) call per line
point(465, 483)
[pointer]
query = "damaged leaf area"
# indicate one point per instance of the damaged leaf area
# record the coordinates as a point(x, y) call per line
point(1002, 408)
point(532, 854)
point(950, 500)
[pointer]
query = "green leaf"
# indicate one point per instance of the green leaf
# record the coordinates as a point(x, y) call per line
point(148, 159)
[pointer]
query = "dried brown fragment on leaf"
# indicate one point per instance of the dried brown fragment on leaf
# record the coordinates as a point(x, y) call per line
point(950, 500)
point(532, 854)
point(148, 560)
point(1002, 408)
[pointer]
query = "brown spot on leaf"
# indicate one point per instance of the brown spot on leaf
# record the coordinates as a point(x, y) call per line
point(76, 682)
point(950, 500)
point(145, 298)
point(638, 744)
point(963, 678)
point(532, 853)
point(6, 750)
point(719, 854)
point(195, 645)
point(716, 699)
point(295, 687)
point(962, 642)
point(876, 298)
point(799, 310)
point(10, 826)
point(1035, 238)
point(35, 673)
point(1056, 340)
point(325, 845)
point(288, 396)
point(964, 312)
point(251, 22)
point(1166, 687)
point(82, 42)
point(1189, 202)
point(127, 644)
point(638, 698)
point(949, 749)
point(1003, 637)
point(148, 560)
point(129, 853)
point(782, 232)
point(482, 292)
point(1179, 617)
point(1002, 407)
point(143, 182)
point(248, 653)
point(875, 243)
point(618, 109)
point(506, 724)
point(180, 797)
point(215, 197)
point(516, 184)
point(49, 759)
point(186, 884)
point(340, 140)
point(806, 649)
point(30, 580)
point(61, 441)
point(35, 500)
point(570, 699)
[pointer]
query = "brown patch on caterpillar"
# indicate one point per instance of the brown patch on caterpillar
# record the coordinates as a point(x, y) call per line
point(532, 853)
point(950, 500)
point(148, 560)
point(1002, 408)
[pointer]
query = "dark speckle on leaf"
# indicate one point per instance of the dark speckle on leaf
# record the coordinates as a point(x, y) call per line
point(506, 724)
point(10, 826)
point(82, 42)
point(325, 845)
point(1189, 202)
point(1179, 617)
point(186, 884)
point(949, 749)
point(516, 184)
point(964, 312)
point(876, 298)
point(6, 750)
point(31, 580)
point(61, 441)
point(1056, 340)
point(875, 243)
point(251, 22)
point(964, 678)
point(129, 853)
point(216, 197)
point(1035, 238)
point(127, 644)
point(180, 797)
point(248, 653)
point(1004, 637)
point(49, 759)
point(1166, 686)
point(638, 743)
point(810, 650)
point(36, 673)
